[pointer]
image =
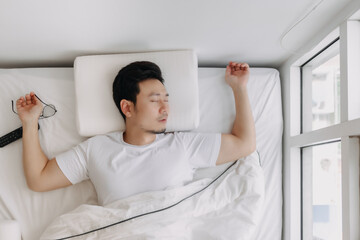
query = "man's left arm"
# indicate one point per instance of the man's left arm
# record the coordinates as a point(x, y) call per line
point(242, 140)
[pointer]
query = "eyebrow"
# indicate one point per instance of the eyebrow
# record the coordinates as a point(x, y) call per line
point(157, 94)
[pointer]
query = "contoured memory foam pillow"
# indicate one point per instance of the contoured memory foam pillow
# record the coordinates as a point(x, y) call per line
point(96, 112)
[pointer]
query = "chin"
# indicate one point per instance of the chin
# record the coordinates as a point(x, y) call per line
point(158, 131)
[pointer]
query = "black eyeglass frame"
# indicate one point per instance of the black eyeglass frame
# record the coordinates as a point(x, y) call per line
point(42, 114)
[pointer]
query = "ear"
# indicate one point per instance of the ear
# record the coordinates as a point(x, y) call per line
point(126, 107)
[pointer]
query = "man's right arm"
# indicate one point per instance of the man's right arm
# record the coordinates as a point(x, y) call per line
point(41, 173)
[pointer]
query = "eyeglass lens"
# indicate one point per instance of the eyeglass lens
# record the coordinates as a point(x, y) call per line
point(48, 111)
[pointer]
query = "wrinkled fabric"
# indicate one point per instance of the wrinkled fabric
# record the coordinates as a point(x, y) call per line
point(226, 207)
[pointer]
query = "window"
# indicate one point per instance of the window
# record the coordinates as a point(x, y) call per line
point(321, 89)
point(321, 207)
point(321, 191)
point(321, 138)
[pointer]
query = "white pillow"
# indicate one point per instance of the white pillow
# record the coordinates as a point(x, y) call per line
point(96, 112)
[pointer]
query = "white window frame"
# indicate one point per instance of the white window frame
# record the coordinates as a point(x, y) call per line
point(306, 75)
point(347, 131)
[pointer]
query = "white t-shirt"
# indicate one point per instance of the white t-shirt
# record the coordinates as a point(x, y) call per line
point(118, 169)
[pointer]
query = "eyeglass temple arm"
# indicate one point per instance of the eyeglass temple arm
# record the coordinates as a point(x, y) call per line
point(12, 106)
point(40, 99)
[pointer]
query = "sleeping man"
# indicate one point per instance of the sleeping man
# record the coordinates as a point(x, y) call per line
point(142, 158)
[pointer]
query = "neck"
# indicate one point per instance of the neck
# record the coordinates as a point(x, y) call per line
point(138, 138)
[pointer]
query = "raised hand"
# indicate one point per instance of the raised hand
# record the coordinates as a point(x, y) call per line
point(29, 108)
point(237, 74)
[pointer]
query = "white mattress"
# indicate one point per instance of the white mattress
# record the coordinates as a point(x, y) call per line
point(34, 211)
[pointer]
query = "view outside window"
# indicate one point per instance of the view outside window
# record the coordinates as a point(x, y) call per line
point(321, 91)
point(322, 192)
point(326, 94)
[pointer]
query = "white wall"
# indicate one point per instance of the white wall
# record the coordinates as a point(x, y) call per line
point(53, 33)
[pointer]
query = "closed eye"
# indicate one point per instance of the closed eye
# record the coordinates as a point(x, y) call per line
point(157, 100)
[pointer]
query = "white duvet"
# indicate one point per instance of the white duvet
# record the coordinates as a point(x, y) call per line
point(226, 207)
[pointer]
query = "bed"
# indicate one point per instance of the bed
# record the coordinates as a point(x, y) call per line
point(31, 212)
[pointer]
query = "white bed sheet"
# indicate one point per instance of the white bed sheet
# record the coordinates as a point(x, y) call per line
point(34, 211)
point(217, 111)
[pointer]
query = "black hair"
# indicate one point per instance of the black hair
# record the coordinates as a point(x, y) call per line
point(126, 83)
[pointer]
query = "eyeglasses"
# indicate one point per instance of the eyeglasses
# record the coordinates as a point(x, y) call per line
point(49, 110)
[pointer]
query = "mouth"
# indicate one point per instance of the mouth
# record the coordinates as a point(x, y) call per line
point(163, 120)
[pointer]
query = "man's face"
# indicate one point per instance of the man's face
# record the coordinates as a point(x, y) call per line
point(152, 108)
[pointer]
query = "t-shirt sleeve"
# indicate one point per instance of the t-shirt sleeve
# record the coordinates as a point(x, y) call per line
point(202, 148)
point(73, 163)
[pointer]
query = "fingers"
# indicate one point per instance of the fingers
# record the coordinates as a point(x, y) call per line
point(228, 69)
point(244, 66)
point(27, 100)
point(33, 98)
point(20, 102)
point(237, 66)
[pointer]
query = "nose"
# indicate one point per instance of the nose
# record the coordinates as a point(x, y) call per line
point(164, 107)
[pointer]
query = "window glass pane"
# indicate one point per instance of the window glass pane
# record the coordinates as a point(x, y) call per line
point(353, 70)
point(321, 205)
point(321, 90)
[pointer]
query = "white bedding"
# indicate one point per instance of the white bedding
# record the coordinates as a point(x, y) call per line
point(217, 111)
point(196, 211)
point(34, 211)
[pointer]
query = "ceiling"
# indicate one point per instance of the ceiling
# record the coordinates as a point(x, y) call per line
point(52, 33)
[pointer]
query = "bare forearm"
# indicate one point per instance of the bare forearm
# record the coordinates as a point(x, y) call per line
point(34, 159)
point(242, 140)
point(244, 127)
